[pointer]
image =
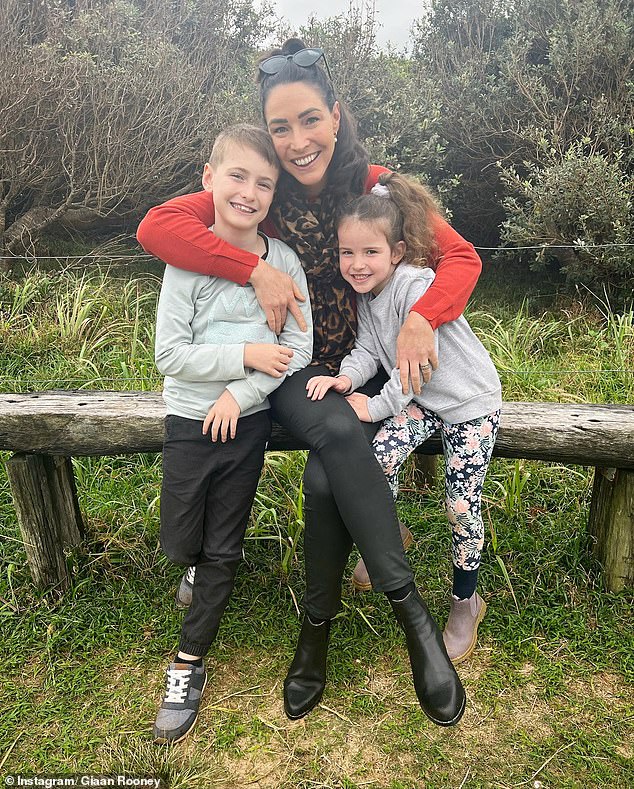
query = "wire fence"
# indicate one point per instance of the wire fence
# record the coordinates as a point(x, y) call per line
point(581, 246)
point(25, 381)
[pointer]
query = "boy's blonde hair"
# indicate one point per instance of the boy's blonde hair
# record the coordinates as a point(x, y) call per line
point(248, 136)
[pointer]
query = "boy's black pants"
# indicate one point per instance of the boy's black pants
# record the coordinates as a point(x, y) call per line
point(206, 496)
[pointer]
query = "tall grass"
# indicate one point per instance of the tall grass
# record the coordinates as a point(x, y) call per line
point(70, 330)
point(548, 685)
point(569, 356)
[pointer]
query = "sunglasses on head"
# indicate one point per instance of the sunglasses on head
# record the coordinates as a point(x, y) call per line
point(305, 58)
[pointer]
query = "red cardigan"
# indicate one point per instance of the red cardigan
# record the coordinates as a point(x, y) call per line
point(177, 233)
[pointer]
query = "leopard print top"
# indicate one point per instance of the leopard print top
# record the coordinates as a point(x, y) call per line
point(308, 227)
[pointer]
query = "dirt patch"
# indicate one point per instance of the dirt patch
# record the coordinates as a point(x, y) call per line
point(369, 735)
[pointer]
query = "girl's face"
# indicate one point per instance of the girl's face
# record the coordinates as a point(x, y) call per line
point(303, 130)
point(366, 259)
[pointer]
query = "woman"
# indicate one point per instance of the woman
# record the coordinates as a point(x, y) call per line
point(347, 496)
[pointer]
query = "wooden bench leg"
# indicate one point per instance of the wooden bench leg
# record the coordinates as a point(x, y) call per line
point(612, 525)
point(45, 499)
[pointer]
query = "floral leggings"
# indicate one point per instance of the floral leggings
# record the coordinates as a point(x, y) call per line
point(467, 448)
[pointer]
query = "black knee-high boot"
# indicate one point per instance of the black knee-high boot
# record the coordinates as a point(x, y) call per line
point(306, 678)
point(437, 684)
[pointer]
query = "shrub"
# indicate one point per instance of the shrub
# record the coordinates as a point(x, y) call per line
point(580, 200)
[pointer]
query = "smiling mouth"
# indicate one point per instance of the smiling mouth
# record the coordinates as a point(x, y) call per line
point(244, 209)
point(305, 160)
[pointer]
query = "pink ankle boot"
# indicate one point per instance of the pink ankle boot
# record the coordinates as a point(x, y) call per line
point(461, 631)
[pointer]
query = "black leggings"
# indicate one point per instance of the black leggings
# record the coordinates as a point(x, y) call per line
point(347, 498)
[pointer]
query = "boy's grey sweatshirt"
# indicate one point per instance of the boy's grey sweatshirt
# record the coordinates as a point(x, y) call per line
point(464, 387)
point(202, 326)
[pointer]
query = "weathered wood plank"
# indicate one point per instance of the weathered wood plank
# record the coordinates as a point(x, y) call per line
point(109, 423)
point(46, 515)
point(61, 480)
point(611, 523)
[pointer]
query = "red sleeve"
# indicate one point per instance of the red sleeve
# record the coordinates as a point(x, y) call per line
point(456, 275)
point(177, 233)
point(374, 171)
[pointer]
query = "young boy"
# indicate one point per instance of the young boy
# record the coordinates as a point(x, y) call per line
point(220, 361)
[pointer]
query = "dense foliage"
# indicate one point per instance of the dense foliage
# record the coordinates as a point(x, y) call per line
point(518, 112)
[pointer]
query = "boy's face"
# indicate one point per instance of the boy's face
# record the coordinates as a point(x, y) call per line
point(243, 184)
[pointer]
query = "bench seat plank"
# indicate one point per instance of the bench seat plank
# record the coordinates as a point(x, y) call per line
point(77, 423)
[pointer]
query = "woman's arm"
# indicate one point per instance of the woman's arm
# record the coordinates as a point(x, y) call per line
point(178, 233)
point(456, 275)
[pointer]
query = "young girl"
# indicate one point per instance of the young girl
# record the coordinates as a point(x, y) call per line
point(387, 254)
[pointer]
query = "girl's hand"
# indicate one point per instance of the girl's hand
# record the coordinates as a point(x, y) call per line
point(318, 385)
point(222, 418)
point(415, 352)
point(269, 358)
point(360, 404)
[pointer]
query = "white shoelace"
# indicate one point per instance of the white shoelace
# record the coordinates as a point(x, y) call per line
point(177, 685)
point(190, 574)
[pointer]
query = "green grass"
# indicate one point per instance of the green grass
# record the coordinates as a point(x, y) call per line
point(550, 686)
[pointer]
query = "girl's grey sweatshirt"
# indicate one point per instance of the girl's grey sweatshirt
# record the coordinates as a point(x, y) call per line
point(464, 387)
point(202, 325)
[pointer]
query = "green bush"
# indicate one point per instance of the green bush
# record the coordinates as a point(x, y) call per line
point(580, 200)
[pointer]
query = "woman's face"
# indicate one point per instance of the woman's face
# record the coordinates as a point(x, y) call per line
point(303, 131)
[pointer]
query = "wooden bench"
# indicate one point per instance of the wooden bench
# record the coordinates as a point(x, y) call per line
point(45, 429)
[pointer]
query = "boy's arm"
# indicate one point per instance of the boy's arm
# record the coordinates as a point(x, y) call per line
point(174, 352)
point(177, 232)
point(300, 342)
point(257, 385)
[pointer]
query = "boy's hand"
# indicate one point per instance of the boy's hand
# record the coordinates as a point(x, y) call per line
point(222, 418)
point(277, 293)
point(318, 385)
point(269, 358)
point(360, 404)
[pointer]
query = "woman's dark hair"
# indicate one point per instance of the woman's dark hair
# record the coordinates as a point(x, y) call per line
point(348, 169)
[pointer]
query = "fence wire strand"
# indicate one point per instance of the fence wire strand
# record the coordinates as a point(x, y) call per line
point(145, 256)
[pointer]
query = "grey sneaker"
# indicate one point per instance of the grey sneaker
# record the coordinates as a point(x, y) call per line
point(185, 589)
point(184, 686)
point(461, 630)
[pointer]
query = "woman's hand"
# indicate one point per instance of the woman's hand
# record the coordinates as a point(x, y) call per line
point(268, 358)
point(318, 385)
point(360, 404)
point(222, 418)
point(415, 352)
point(277, 293)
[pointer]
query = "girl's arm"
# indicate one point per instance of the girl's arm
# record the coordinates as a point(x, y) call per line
point(363, 361)
point(178, 233)
point(456, 275)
